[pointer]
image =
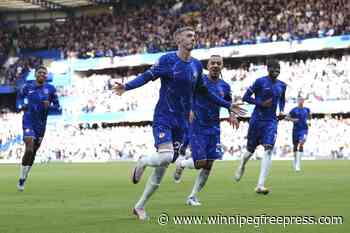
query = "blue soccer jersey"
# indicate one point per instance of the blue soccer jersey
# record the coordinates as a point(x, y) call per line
point(300, 127)
point(302, 114)
point(205, 128)
point(38, 101)
point(263, 123)
point(207, 112)
point(180, 80)
point(263, 89)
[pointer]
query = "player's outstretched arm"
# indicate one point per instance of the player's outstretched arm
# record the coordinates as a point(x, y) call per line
point(290, 118)
point(160, 69)
point(204, 90)
point(237, 110)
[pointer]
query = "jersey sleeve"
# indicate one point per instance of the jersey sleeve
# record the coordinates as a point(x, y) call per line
point(202, 89)
point(282, 102)
point(159, 69)
point(228, 93)
point(54, 103)
point(292, 113)
point(23, 97)
point(247, 97)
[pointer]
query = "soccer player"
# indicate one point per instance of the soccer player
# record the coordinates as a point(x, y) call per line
point(205, 130)
point(39, 98)
point(269, 92)
point(299, 116)
point(181, 77)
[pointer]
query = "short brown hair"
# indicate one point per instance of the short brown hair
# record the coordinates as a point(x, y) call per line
point(182, 29)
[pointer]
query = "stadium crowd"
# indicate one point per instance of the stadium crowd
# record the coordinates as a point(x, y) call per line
point(327, 137)
point(217, 22)
point(316, 79)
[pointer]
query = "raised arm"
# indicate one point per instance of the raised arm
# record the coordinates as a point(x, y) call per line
point(159, 69)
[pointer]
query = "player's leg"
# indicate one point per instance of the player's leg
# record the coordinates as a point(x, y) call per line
point(163, 157)
point(200, 182)
point(295, 150)
point(252, 143)
point(165, 149)
point(269, 131)
point(187, 162)
point(29, 138)
point(213, 152)
point(300, 152)
point(151, 186)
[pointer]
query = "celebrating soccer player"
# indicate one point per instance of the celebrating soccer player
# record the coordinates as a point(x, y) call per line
point(181, 77)
point(269, 92)
point(205, 129)
point(39, 98)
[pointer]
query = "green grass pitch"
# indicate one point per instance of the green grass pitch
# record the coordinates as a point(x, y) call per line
point(97, 198)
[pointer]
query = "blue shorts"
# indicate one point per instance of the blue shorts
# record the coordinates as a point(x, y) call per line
point(261, 133)
point(37, 134)
point(164, 134)
point(31, 129)
point(206, 147)
point(299, 136)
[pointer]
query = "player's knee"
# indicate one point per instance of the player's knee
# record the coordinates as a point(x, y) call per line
point(166, 154)
point(268, 148)
point(209, 165)
point(301, 147)
point(251, 149)
point(29, 150)
point(295, 147)
point(200, 164)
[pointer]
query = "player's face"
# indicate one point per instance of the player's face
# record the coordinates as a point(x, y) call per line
point(215, 65)
point(186, 40)
point(274, 71)
point(41, 76)
point(300, 101)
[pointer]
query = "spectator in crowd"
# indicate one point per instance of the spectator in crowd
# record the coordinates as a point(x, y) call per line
point(327, 137)
point(315, 79)
point(217, 22)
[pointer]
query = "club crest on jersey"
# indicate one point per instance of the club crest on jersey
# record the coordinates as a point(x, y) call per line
point(161, 135)
point(46, 91)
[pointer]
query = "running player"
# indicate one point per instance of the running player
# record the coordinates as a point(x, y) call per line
point(299, 116)
point(181, 77)
point(39, 98)
point(205, 130)
point(269, 93)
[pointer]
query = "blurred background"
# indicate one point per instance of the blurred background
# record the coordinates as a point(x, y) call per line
point(87, 45)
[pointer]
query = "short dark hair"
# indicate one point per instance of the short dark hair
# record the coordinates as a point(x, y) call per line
point(182, 29)
point(273, 63)
point(40, 68)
